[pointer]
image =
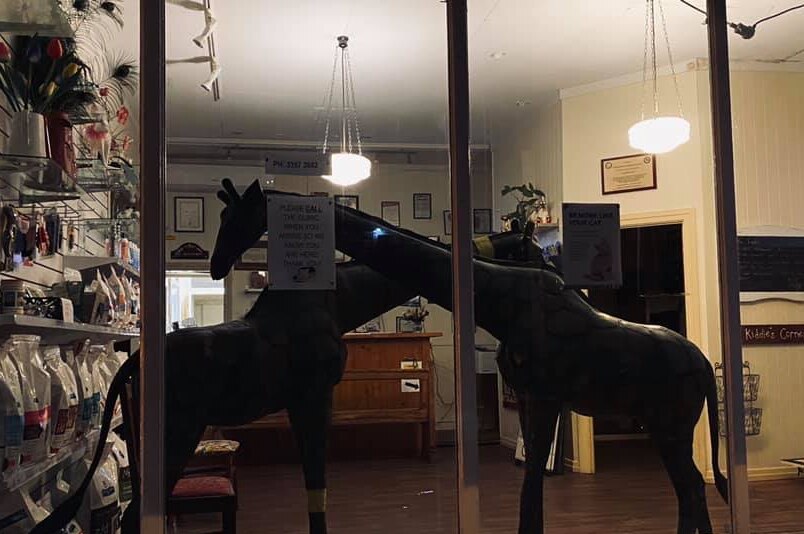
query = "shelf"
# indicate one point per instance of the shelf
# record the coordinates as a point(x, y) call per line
point(84, 263)
point(94, 176)
point(67, 456)
point(55, 332)
point(544, 227)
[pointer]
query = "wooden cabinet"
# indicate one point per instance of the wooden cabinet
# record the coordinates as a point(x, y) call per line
point(389, 379)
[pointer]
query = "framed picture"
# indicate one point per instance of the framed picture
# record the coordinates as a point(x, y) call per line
point(406, 325)
point(447, 222)
point(350, 201)
point(482, 221)
point(422, 206)
point(188, 214)
point(255, 258)
point(390, 212)
point(628, 173)
point(509, 397)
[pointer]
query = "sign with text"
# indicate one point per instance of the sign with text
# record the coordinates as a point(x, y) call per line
point(301, 242)
point(298, 163)
point(773, 334)
point(628, 173)
point(591, 245)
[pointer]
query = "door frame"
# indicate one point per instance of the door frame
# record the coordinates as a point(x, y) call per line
point(583, 427)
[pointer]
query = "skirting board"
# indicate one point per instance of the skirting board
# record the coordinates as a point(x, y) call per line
point(760, 474)
point(508, 442)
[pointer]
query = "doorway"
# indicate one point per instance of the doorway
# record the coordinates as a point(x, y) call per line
point(193, 299)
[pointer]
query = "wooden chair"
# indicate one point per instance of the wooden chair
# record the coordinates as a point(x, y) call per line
point(209, 484)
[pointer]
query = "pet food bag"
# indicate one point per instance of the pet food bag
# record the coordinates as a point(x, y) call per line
point(12, 412)
point(35, 382)
point(94, 358)
point(83, 378)
point(120, 454)
point(19, 514)
point(104, 517)
point(63, 397)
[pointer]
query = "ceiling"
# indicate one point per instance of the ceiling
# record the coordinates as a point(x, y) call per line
point(277, 58)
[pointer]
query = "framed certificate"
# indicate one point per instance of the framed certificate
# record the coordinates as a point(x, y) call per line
point(390, 212)
point(628, 173)
point(422, 206)
point(188, 214)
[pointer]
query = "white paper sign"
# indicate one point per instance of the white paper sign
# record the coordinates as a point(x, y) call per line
point(591, 249)
point(299, 163)
point(301, 242)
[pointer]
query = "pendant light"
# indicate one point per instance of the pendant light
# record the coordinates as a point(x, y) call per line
point(657, 134)
point(349, 166)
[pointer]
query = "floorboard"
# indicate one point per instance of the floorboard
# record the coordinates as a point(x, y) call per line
point(629, 494)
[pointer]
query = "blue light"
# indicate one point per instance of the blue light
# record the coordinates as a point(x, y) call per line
point(377, 232)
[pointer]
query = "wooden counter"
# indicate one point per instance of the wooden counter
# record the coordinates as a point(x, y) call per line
point(375, 388)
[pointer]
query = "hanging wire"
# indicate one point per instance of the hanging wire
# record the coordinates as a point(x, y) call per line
point(655, 70)
point(353, 103)
point(328, 102)
point(746, 31)
point(645, 62)
point(670, 58)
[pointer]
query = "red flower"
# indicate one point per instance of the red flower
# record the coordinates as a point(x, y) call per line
point(55, 49)
point(104, 91)
point(5, 52)
point(122, 115)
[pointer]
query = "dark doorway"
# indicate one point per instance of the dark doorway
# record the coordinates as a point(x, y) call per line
point(652, 293)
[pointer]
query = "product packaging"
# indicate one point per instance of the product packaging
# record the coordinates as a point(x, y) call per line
point(12, 412)
point(104, 517)
point(19, 514)
point(86, 388)
point(35, 382)
point(120, 454)
point(94, 362)
point(64, 399)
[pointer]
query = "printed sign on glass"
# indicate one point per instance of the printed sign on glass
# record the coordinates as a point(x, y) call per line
point(591, 248)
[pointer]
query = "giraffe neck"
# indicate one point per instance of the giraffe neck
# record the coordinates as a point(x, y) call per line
point(417, 262)
point(364, 294)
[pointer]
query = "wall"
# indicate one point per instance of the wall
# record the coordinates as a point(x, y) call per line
point(389, 182)
point(526, 148)
point(768, 111)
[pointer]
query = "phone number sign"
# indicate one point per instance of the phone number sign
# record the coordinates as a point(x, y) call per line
point(298, 163)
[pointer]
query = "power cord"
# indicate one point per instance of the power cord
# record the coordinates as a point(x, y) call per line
point(746, 31)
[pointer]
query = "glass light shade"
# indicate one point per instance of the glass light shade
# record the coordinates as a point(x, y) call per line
point(659, 135)
point(348, 169)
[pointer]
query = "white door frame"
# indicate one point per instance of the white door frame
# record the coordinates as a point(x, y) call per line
point(583, 427)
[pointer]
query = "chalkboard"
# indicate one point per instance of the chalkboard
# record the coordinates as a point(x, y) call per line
point(771, 264)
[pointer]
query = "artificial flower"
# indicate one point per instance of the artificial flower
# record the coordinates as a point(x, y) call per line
point(70, 70)
point(104, 91)
point(5, 52)
point(96, 132)
point(122, 115)
point(55, 50)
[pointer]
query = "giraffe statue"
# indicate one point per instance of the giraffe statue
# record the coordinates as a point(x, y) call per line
point(286, 353)
point(556, 351)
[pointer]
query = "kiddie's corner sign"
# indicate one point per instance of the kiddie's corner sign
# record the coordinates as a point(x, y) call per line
point(773, 334)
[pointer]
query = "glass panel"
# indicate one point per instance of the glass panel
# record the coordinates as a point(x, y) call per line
point(768, 109)
point(69, 257)
point(608, 407)
point(285, 90)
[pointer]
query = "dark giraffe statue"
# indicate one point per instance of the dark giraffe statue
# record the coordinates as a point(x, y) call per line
point(556, 351)
point(286, 353)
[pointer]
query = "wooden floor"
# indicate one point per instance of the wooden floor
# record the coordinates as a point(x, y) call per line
point(629, 494)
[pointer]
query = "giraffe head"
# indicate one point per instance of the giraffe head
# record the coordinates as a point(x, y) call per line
point(242, 224)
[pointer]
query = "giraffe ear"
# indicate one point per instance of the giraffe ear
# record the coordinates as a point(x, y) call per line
point(254, 192)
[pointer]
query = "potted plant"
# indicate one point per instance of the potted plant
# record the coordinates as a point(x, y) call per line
point(531, 207)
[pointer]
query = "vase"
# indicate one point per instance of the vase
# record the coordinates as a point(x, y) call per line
point(60, 142)
point(25, 135)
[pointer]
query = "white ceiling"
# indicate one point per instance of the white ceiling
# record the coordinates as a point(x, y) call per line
point(277, 59)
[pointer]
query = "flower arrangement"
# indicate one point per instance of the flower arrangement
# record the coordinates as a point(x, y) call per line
point(530, 202)
point(417, 314)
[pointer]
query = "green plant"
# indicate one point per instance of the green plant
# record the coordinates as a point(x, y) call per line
point(528, 198)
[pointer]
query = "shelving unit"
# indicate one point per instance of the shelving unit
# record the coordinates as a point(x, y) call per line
point(41, 471)
point(83, 263)
point(55, 332)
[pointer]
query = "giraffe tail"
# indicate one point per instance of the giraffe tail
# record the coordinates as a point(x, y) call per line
point(67, 510)
point(711, 405)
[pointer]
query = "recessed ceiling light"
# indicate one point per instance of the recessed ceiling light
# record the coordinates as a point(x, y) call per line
point(497, 55)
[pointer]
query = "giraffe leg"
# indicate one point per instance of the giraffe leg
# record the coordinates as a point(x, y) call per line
point(676, 453)
point(538, 421)
point(309, 419)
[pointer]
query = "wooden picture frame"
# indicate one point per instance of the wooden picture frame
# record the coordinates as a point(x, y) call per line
point(188, 215)
point(447, 222)
point(422, 206)
point(350, 201)
point(481, 219)
point(627, 174)
point(391, 212)
point(255, 258)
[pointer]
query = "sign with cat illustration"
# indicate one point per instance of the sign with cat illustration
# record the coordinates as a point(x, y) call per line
point(591, 254)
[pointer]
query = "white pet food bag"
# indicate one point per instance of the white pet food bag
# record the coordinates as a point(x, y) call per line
point(120, 454)
point(35, 381)
point(19, 514)
point(12, 412)
point(104, 517)
point(64, 399)
point(94, 358)
point(83, 379)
